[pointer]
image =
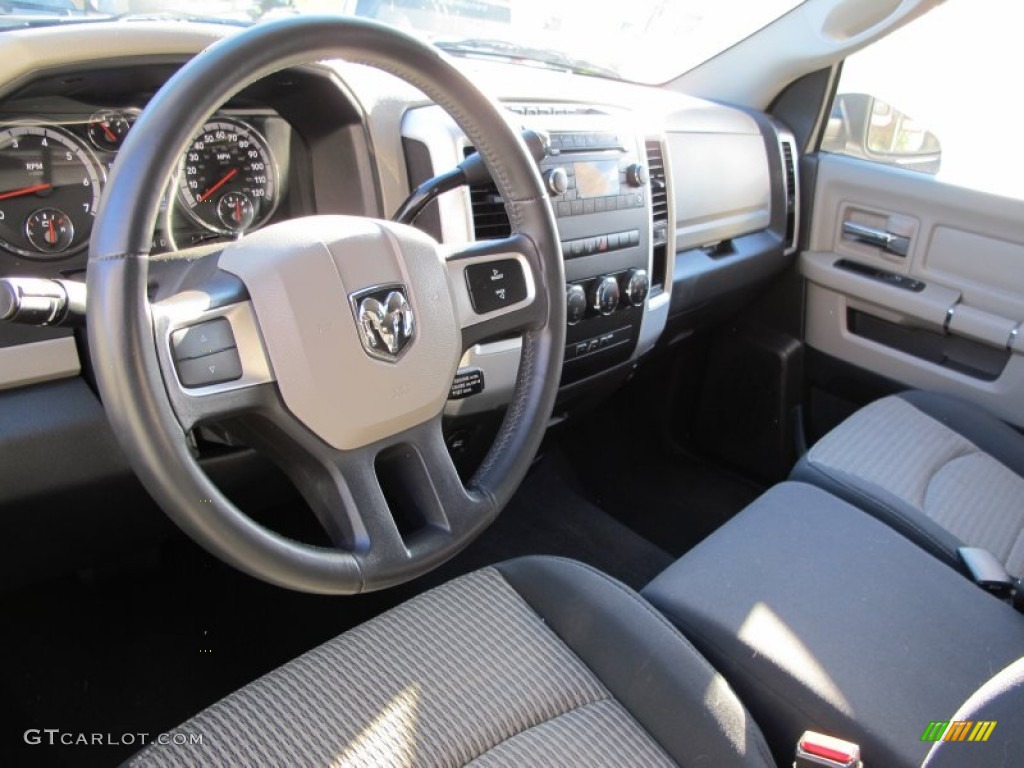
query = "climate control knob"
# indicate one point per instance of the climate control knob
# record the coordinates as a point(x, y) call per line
point(605, 298)
point(637, 287)
point(556, 180)
point(636, 175)
point(575, 303)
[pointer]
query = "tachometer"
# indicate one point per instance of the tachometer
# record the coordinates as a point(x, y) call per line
point(49, 189)
point(228, 179)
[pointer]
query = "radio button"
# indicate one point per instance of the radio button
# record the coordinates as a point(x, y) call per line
point(636, 175)
point(556, 180)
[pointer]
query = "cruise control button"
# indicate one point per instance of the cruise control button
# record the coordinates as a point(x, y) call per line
point(202, 339)
point(210, 369)
point(495, 284)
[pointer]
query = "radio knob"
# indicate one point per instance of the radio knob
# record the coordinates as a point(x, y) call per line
point(637, 286)
point(556, 180)
point(575, 303)
point(605, 299)
point(636, 175)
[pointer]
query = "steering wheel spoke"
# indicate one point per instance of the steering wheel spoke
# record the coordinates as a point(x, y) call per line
point(390, 504)
point(208, 341)
point(498, 289)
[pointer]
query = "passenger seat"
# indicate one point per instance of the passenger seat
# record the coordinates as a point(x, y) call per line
point(940, 470)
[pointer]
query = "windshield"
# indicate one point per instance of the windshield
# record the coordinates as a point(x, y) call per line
point(644, 40)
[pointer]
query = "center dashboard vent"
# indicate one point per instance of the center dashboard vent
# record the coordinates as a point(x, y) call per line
point(659, 214)
point(490, 219)
point(656, 174)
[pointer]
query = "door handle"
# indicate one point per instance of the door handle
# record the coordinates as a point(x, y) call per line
point(887, 241)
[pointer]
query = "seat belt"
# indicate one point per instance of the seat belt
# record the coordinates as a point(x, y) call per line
point(816, 750)
point(990, 574)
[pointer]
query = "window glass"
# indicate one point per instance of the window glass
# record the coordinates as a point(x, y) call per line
point(940, 96)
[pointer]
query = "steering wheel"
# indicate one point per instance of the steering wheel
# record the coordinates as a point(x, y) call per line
point(340, 336)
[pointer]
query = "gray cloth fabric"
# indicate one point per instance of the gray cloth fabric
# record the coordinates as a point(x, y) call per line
point(596, 734)
point(995, 437)
point(468, 673)
point(644, 661)
point(823, 618)
point(909, 468)
point(999, 701)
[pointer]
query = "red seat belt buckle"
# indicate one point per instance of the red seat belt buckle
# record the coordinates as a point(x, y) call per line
point(817, 749)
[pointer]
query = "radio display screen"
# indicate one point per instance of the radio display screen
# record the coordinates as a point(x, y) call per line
point(597, 178)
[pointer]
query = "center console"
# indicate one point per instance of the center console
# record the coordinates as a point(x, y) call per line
point(608, 190)
point(599, 187)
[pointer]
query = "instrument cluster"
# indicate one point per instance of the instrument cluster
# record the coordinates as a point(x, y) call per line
point(52, 173)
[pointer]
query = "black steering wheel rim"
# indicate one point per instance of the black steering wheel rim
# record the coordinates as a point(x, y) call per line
point(120, 322)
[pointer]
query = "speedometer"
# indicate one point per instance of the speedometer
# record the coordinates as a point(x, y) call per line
point(227, 180)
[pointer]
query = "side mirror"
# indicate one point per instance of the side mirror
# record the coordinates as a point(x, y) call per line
point(862, 126)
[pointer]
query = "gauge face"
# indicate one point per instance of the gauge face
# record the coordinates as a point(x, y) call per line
point(50, 230)
point(46, 178)
point(108, 129)
point(227, 180)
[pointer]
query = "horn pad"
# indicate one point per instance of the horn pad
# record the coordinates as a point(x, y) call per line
point(358, 322)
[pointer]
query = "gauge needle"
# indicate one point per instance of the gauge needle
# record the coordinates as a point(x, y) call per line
point(53, 233)
point(110, 134)
point(224, 180)
point(238, 211)
point(24, 191)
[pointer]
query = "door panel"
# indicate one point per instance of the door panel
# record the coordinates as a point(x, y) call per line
point(946, 315)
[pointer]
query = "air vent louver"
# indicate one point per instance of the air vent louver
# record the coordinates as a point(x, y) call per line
point(656, 173)
point(789, 167)
point(490, 219)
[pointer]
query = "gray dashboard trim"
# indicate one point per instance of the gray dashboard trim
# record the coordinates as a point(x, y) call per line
point(38, 361)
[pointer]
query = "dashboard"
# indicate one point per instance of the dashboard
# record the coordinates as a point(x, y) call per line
point(54, 165)
point(670, 210)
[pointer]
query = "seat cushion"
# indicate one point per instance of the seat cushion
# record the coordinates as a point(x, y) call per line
point(994, 725)
point(535, 661)
point(940, 470)
point(823, 618)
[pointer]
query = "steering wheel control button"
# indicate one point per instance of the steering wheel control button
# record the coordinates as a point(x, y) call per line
point(495, 285)
point(467, 382)
point(212, 369)
point(202, 339)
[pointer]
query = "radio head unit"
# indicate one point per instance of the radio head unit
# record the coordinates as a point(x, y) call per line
point(591, 173)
